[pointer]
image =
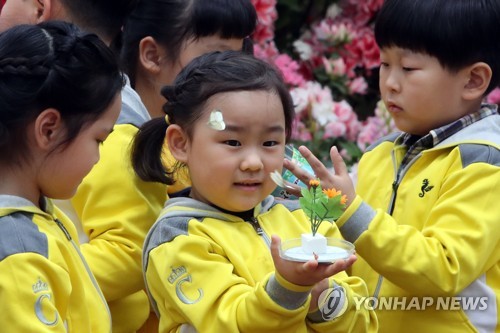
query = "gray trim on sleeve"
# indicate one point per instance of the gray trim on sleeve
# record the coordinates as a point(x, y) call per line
point(357, 223)
point(388, 138)
point(164, 231)
point(284, 297)
point(18, 234)
point(477, 153)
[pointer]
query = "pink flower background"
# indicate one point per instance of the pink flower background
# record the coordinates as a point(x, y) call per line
point(330, 69)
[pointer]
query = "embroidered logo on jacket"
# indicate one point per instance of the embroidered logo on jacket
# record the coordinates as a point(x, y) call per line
point(179, 277)
point(425, 187)
point(42, 308)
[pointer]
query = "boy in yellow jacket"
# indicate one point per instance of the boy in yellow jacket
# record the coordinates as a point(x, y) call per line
point(424, 216)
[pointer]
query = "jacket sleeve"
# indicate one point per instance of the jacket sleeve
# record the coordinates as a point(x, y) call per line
point(340, 308)
point(457, 242)
point(350, 315)
point(201, 287)
point(116, 210)
point(34, 293)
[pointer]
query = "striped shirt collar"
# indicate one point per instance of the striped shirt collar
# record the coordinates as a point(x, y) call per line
point(416, 144)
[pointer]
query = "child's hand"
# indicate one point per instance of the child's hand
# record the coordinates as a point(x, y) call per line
point(340, 180)
point(316, 292)
point(308, 273)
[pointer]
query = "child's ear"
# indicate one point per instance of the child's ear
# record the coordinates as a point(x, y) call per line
point(49, 129)
point(150, 54)
point(478, 80)
point(178, 143)
point(43, 10)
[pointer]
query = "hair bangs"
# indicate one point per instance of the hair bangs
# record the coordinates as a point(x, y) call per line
point(227, 18)
point(431, 27)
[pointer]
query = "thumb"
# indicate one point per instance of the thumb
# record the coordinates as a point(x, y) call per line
point(275, 247)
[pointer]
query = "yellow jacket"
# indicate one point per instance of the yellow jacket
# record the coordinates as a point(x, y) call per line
point(116, 209)
point(214, 272)
point(45, 284)
point(435, 261)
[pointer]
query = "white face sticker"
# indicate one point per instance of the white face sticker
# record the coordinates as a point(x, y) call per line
point(216, 120)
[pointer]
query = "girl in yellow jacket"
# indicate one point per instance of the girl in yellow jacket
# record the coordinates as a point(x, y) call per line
point(59, 98)
point(211, 261)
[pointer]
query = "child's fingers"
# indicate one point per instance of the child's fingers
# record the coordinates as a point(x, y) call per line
point(300, 173)
point(310, 265)
point(320, 170)
point(340, 265)
point(338, 162)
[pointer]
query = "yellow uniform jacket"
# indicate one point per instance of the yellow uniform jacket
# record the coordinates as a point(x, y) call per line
point(428, 242)
point(45, 283)
point(213, 272)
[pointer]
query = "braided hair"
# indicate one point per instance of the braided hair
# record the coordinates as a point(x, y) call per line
point(52, 65)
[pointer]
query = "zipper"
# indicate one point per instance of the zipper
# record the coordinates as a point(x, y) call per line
point(256, 226)
point(395, 186)
point(258, 229)
point(390, 210)
point(63, 228)
point(87, 268)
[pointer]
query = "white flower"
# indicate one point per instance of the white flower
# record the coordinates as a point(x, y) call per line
point(303, 49)
point(300, 97)
point(216, 120)
point(333, 11)
point(323, 113)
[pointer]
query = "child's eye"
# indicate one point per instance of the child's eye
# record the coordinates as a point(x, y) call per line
point(408, 69)
point(233, 143)
point(270, 143)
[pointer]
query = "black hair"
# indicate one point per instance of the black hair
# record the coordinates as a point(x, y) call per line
point(204, 77)
point(102, 17)
point(458, 33)
point(52, 65)
point(172, 22)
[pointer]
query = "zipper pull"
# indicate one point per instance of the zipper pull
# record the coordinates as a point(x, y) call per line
point(61, 226)
point(256, 226)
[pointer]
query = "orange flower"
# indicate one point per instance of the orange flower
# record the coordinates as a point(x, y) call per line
point(314, 183)
point(343, 200)
point(331, 192)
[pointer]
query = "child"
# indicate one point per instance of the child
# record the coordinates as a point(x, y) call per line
point(162, 36)
point(425, 215)
point(59, 98)
point(104, 18)
point(115, 208)
point(207, 260)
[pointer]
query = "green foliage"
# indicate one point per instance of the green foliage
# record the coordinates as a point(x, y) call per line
point(319, 207)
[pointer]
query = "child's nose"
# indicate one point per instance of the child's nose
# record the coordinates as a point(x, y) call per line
point(252, 161)
point(391, 82)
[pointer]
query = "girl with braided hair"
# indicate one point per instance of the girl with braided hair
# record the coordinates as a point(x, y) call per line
point(59, 99)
